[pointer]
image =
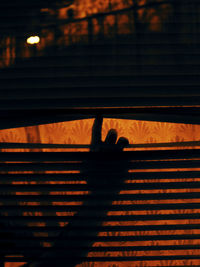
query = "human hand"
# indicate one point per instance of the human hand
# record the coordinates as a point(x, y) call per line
point(112, 144)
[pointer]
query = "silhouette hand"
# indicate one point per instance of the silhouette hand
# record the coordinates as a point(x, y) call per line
point(110, 143)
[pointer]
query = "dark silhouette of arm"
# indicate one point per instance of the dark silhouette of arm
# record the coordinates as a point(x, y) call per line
point(96, 184)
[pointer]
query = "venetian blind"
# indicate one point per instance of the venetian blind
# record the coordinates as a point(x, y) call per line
point(136, 60)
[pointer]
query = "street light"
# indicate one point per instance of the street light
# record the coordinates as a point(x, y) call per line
point(33, 40)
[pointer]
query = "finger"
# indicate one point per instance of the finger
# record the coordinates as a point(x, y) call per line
point(111, 137)
point(96, 131)
point(122, 143)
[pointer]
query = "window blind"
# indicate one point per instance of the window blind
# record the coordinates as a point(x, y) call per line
point(136, 60)
point(144, 53)
point(153, 218)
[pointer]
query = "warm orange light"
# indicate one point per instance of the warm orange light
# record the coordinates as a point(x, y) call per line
point(33, 40)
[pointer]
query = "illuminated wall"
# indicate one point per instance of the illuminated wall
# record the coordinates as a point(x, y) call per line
point(79, 132)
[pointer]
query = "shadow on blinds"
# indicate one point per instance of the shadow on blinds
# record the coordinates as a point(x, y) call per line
point(50, 215)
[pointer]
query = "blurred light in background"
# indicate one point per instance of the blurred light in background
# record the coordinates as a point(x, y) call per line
point(33, 40)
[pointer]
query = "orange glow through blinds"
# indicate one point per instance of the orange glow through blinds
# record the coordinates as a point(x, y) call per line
point(79, 132)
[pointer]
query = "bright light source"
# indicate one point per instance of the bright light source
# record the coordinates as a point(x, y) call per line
point(33, 40)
